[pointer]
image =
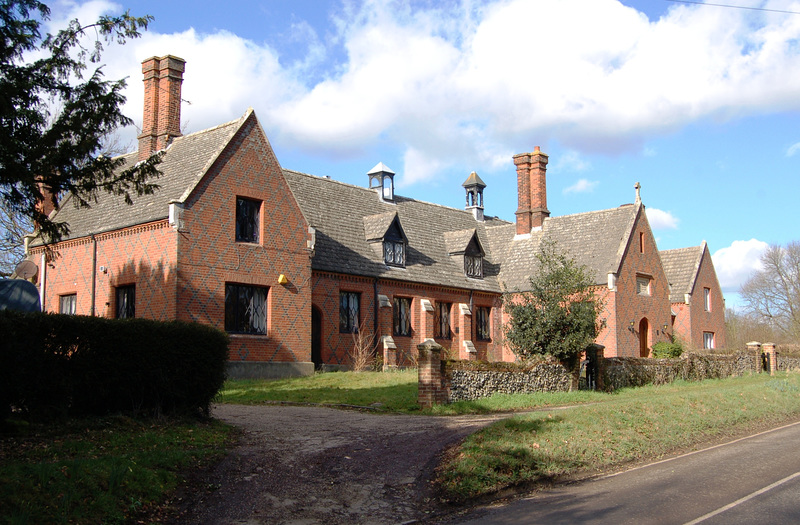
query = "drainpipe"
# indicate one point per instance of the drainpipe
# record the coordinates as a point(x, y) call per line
point(94, 270)
point(43, 287)
point(471, 309)
point(375, 311)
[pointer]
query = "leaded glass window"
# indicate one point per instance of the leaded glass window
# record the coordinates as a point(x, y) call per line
point(402, 316)
point(245, 309)
point(394, 253)
point(473, 266)
point(248, 218)
point(441, 320)
point(349, 312)
point(482, 323)
point(126, 302)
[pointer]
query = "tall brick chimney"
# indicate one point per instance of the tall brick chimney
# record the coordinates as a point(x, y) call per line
point(531, 190)
point(163, 77)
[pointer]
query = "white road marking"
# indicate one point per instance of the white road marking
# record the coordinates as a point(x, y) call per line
point(742, 500)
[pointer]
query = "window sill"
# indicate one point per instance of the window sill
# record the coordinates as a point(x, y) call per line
point(248, 336)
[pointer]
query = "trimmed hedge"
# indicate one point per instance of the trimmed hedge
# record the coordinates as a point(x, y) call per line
point(61, 365)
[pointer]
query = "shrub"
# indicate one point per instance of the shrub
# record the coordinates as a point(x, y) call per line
point(665, 350)
point(52, 364)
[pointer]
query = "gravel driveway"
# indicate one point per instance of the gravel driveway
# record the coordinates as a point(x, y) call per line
point(307, 465)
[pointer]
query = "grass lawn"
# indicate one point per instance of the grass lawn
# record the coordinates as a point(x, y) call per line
point(389, 392)
point(110, 470)
point(628, 425)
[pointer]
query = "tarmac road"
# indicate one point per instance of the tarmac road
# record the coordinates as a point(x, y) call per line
point(755, 479)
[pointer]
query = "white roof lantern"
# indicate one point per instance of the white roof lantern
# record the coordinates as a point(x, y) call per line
point(381, 178)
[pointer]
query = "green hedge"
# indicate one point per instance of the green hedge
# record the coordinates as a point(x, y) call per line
point(60, 365)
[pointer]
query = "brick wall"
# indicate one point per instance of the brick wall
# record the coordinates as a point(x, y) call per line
point(211, 257)
point(712, 320)
point(335, 345)
point(144, 256)
point(640, 259)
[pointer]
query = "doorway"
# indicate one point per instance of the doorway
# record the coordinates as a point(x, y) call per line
point(644, 338)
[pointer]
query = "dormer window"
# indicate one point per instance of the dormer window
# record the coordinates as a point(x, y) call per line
point(394, 246)
point(473, 266)
point(387, 238)
point(464, 246)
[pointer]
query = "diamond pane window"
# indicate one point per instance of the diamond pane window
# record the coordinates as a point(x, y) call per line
point(473, 266)
point(482, 323)
point(402, 316)
point(348, 312)
point(394, 253)
point(441, 320)
point(126, 302)
point(245, 309)
point(248, 218)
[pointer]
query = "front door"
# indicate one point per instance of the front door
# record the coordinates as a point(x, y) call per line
point(644, 338)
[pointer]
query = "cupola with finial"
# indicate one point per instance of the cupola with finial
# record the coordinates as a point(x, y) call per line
point(474, 187)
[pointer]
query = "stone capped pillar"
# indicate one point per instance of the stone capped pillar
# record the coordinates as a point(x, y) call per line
point(429, 370)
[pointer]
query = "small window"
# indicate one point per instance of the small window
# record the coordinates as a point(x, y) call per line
point(246, 309)
point(482, 323)
point(641, 242)
point(473, 266)
point(708, 340)
point(349, 312)
point(126, 302)
point(402, 316)
point(394, 253)
point(707, 299)
point(642, 285)
point(248, 219)
point(67, 304)
point(441, 320)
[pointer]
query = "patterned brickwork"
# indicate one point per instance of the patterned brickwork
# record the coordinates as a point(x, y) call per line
point(143, 256)
point(210, 256)
point(335, 345)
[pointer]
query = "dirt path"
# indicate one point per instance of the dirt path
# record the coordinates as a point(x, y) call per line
point(308, 465)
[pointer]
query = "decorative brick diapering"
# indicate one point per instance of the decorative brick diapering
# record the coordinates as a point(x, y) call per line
point(180, 267)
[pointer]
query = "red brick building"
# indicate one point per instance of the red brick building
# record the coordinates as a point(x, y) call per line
point(292, 265)
point(698, 308)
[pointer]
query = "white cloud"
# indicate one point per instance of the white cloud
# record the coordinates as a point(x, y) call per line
point(473, 83)
point(794, 148)
point(661, 220)
point(582, 186)
point(570, 161)
point(735, 263)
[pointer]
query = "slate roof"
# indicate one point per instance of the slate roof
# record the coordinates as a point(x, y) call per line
point(345, 216)
point(595, 239)
point(350, 221)
point(186, 160)
point(681, 267)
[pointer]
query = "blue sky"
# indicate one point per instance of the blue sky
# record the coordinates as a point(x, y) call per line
point(698, 103)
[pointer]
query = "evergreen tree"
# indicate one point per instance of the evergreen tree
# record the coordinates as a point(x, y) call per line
point(55, 110)
point(558, 316)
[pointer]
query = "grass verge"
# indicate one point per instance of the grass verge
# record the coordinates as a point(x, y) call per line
point(390, 392)
point(627, 426)
point(110, 470)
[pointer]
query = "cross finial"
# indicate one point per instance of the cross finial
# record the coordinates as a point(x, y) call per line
point(638, 195)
